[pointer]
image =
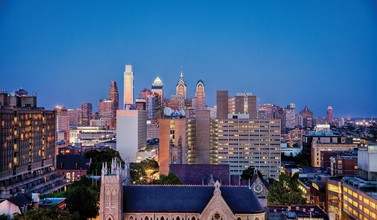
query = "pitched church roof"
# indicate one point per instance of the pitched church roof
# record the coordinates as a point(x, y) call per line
point(187, 199)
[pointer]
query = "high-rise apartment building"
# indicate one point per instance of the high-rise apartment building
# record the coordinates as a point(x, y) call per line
point(131, 133)
point(87, 111)
point(27, 152)
point(181, 88)
point(243, 142)
point(128, 85)
point(330, 115)
point(62, 122)
point(158, 88)
point(200, 96)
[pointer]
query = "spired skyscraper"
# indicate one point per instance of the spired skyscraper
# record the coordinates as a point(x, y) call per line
point(181, 88)
point(200, 96)
point(128, 86)
point(158, 87)
point(114, 94)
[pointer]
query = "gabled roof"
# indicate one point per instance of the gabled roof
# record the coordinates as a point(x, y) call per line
point(183, 198)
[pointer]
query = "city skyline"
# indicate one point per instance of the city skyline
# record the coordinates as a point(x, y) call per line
point(69, 53)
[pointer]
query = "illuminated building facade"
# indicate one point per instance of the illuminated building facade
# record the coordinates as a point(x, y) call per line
point(181, 88)
point(244, 142)
point(307, 117)
point(106, 112)
point(158, 87)
point(200, 96)
point(27, 140)
point(128, 86)
point(87, 111)
point(242, 103)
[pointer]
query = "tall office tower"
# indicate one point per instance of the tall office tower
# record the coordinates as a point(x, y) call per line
point(131, 133)
point(200, 96)
point(158, 87)
point(62, 122)
point(128, 86)
point(181, 88)
point(330, 115)
point(244, 142)
point(198, 137)
point(87, 111)
point(173, 147)
point(246, 103)
point(106, 112)
point(307, 117)
point(27, 152)
point(290, 116)
point(114, 95)
point(74, 116)
point(222, 104)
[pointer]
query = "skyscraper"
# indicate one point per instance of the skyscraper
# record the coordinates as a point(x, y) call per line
point(114, 94)
point(87, 110)
point(106, 112)
point(200, 96)
point(290, 116)
point(128, 86)
point(181, 88)
point(330, 115)
point(243, 103)
point(307, 116)
point(158, 87)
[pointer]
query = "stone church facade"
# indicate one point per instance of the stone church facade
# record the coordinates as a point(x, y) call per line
point(174, 202)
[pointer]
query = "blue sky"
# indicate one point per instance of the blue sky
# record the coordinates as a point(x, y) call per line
point(315, 53)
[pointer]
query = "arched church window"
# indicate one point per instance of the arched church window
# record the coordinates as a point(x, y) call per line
point(238, 218)
point(146, 218)
point(113, 198)
point(131, 218)
point(107, 198)
point(162, 218)
point(177, 218)
point(256, 218)
point(216, 217)
point(193, 218)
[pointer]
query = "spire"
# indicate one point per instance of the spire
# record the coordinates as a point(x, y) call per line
point(181, 76)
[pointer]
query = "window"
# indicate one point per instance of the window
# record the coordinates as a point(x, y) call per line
point(113, 198)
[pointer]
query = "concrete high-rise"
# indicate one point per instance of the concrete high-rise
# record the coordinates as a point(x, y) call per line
point(181, 88)
point(330, 115)
point(200, 96)
point(128, 86)
point(27, 151)
point(158, 88)
point(106, 112)
point(222, 104)
point(198, 137)
point(131, 133)
point(244, 142)
point(290, 116)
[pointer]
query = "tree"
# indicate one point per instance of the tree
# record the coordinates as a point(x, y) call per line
point(171, 178)
point(83, 200)
point(285, 191)
point(248, 173)
point(143, 172)
point(51, 213)
point(99, 157)
point(3, 217)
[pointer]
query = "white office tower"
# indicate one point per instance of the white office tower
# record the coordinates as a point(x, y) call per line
point(131, 133)
point(128, 86)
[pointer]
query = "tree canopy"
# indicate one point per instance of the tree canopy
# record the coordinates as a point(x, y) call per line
point(248, 173)
point(171, 178)
point(51, 213)
point(143, 172)
point(101, 156)
point(285, 191)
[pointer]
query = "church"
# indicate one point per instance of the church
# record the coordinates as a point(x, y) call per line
point(121, 201)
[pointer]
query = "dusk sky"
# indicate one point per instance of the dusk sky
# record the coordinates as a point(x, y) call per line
point(312, 52)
